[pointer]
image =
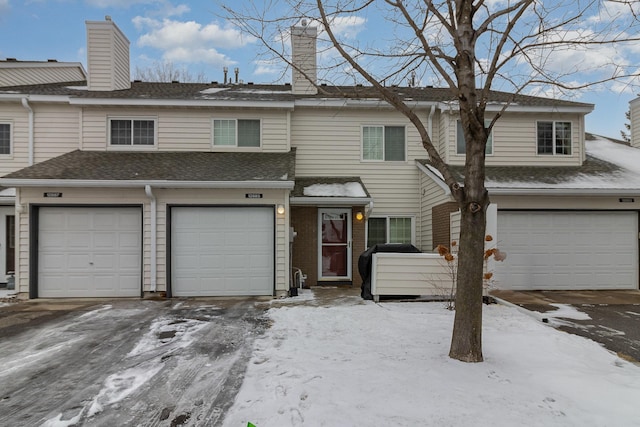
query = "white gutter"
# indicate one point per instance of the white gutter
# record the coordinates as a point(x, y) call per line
point(436, 177)
point(181, 102)
point(296, 201)
point(430, 122)
point(357, 103)
point(21, 182)
point(25, 104)
point(454, 107)
point(154, 237)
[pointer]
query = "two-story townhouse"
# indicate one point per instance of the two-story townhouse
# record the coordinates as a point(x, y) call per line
point(219, 189)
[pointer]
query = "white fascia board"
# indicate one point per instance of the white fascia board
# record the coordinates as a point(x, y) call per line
point(181, 103)
point(564, 191)
point(516, 108)
point(8, 182)
point(33, 98)
point(356, 103)
point(437, 179)
point(329, 201)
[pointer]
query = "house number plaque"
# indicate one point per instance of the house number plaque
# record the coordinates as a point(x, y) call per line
point(52, 194)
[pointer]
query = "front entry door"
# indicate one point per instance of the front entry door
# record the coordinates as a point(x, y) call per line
point(334, 237)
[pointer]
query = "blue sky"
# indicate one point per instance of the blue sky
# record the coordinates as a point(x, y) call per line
point(194, 36)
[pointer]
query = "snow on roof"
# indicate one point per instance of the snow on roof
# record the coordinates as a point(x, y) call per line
point(347, 189)
point(212, 90)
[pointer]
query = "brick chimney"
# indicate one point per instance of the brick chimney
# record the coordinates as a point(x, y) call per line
point(303, 57)
point(107, 56)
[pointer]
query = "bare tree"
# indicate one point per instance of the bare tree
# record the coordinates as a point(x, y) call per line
point(166, 71)
point(472, 47)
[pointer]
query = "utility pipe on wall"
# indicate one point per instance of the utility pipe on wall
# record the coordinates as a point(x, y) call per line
point(25, 104)
point(154, 271)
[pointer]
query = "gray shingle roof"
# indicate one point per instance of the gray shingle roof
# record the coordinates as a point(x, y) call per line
point(167, 166)
point(264, 92)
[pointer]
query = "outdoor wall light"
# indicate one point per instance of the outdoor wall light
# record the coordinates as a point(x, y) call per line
point(280, 209)
point(359, 216)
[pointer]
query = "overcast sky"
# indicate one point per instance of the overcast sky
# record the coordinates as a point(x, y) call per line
point(195, 37)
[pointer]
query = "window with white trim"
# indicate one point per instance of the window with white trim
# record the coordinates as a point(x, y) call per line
point(236, 133)
point(384, 143)
point(5, 138)
point(390, 229)
point(554, 138)
point(132, 132)
point(461, 145)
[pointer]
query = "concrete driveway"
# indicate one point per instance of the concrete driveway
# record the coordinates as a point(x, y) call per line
point(124, 362)
point(612, 317)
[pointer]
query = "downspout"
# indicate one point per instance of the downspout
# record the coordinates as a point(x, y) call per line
point(154, 240)
point(25, 104)
point(430, 123)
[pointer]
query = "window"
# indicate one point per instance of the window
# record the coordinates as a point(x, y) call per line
point(383, 143)
point(461, 146)
point(236, 133)
point(554, 138)
point(389, 230)
point(132, 132)
point(5, 138)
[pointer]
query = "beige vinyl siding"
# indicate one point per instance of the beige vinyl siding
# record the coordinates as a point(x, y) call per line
point(56, 130)
point(455, 226)
point(634, 110)
point(107, 57)
point(410, 274)
point(329, 143)
point(184, 130)
point(164, 197)
point(40, 74)
point(515, 140)
point(18, 117)
point(432, 195)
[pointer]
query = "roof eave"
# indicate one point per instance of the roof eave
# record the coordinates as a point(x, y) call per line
point(505, 191)
point(182, 102)
point(517, 108)
point(329, 201)
point(17, 182)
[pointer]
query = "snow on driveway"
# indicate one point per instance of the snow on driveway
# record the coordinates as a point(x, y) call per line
point(387, 365)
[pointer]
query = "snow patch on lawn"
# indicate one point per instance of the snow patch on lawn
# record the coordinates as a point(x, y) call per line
point(387, 365)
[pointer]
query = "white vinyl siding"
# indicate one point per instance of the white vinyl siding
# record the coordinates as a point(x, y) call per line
point(5, 138)
point(386, 143)
point(22, 74)
point(236, 132)
point(132, 132)
point(515, 139)
point(107, 57)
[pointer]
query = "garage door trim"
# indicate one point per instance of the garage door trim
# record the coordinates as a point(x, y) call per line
point(170, 244)
point(34, 229)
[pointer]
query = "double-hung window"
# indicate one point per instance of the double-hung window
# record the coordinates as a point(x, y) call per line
point(554, 138)
point(461, 145)
point(5, 138)
point(236, 133)
point(386, 143)
point(132, 132)
point(389, 230)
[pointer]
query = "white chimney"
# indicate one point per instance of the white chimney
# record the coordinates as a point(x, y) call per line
point(303, 57)
point(107, 56)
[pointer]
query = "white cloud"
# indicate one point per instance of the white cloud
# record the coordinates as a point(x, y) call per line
point(4, 6)
point(189, 41)
point(348, 26)
point(610, 11)
point(118, 3)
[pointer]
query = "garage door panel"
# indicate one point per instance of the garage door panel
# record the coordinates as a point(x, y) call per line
point(568, 250)
point(89, 251)
point(213, 250)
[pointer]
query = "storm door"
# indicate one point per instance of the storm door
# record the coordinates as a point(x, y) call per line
point(334, 237)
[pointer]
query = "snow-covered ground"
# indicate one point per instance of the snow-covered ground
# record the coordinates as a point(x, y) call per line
point(387, 365)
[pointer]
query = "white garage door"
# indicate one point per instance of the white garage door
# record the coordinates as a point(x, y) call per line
point(222, 251)
point(568, 250)
point(89, 252)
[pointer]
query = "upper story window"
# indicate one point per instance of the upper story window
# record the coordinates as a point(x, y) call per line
point(554, 138)
point(386, 143)
point(132, 132)
point(236, 133)
point(5, 138)
point(461, 146)
point(389, 230)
